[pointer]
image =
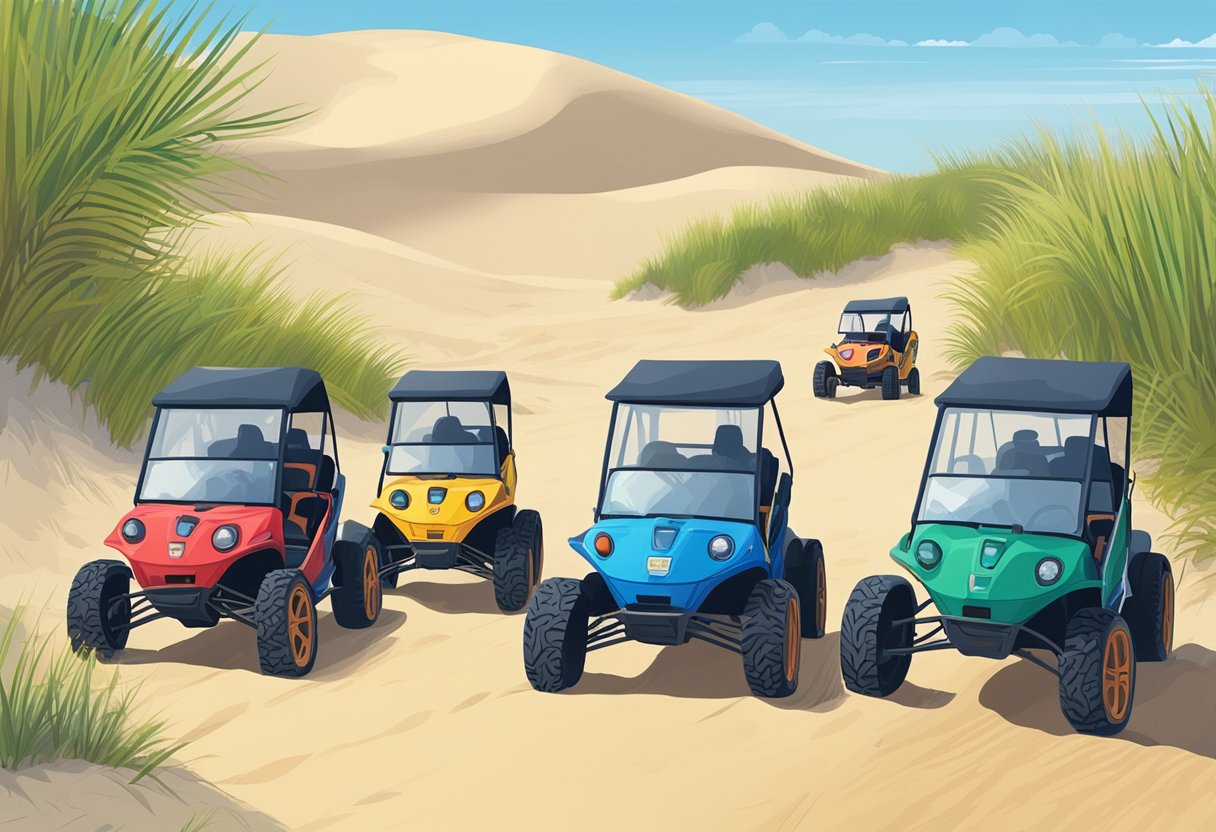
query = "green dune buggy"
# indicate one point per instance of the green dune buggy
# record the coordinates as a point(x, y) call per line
point(1022, 537)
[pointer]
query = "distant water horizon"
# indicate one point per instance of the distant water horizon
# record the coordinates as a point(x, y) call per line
point(896, 108)
point(890, 106)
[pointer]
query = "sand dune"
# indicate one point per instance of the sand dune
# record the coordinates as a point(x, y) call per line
point(503, 157)
point(78, 797)
point(426, 720)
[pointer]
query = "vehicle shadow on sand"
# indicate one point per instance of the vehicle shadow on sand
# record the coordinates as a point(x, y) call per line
point(874, 394)
point(232, 646)
point(450, 598)
point(1175, 702)
point(701, 671)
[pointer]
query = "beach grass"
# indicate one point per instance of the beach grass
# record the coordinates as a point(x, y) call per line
point(1089, 245)
point(115, 114)
point(55, 705)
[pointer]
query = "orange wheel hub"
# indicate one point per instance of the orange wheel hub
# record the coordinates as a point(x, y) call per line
point(793, 640)
point(1117, 674)
point(371, 583)
point(300, 634)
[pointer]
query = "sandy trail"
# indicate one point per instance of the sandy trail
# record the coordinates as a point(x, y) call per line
point(397, 722)
point(426, 721)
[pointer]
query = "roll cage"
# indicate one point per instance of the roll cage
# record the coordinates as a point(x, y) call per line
point(1102, 391)
point(489, 387)
point(287, 390)
point(756, 471)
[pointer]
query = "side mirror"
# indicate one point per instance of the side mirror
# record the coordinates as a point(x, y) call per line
point(384, 449)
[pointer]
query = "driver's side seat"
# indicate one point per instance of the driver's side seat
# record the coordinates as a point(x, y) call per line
point(296, 489)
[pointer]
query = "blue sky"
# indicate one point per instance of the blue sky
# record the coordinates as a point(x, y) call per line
point(834, 72)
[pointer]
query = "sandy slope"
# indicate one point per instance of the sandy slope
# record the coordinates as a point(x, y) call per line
point(426, 721)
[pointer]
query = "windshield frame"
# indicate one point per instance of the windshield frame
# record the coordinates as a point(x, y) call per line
point(389, 444)
point(1085, 481)
point(606, 469)
point(903, 325)
point(284, 420)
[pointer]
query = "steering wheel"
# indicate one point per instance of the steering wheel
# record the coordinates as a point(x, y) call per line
point(1047, 510)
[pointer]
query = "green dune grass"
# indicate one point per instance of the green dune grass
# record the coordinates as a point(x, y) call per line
point(113, 115)
point(55, 705)
point(1087, 246)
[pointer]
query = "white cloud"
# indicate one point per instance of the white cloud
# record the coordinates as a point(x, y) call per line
point(860, 39)
point(763, 33)
point(1001, 37)
point(1115, 40)
point(936, 42)
point(1008, 37)
point(1178, 43)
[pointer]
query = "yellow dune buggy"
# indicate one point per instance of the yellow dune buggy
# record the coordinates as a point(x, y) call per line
point(447, 487)
point(878, 350)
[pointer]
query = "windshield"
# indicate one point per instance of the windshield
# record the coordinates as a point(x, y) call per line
point(874, 323)
point(213, 455)
point(683, 462)
point(445, 438)
point(1003, 468)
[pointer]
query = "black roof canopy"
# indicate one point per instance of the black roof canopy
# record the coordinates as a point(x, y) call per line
point(452, 385)
point(293, 388)
point(898, 305)
point(1104, 388)
point(703, 383)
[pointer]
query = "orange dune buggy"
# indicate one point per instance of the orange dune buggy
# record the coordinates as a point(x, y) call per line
point(878, 350)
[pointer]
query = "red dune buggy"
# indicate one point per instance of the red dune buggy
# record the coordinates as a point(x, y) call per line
point(236, 516)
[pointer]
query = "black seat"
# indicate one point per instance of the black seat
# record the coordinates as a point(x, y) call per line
point(729, 448)
point(504, 445)
point(327, 474)
point(1101, 491)
point(249, 443)
point(892, 336)
point(297, 447)
point(295, 481)
point(768, 476)
point(663, 455)
point(1023, 454)
point(449, 431)
point(1071, 465)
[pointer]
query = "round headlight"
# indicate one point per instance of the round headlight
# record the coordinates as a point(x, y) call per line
point(399, 499)
point(1048, 571)
point(928, 554)
point(721, 547)
point(224, 538)
point(603, 545)
point(133, 531)
point(476, 501)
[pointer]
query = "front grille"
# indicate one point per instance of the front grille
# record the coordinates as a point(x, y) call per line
point(977, 612)
point(434, 535)
point(179, 579)
point(185, 525)
point(655, 600)
point(663, 538)
point(854, 375)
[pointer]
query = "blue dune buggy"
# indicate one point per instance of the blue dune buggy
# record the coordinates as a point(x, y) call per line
point(690, 538)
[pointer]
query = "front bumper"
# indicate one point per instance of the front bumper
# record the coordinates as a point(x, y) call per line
point(434, 554)
point(980, 638)
point(188, 604)
point(858, 377)
point(656, 626)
